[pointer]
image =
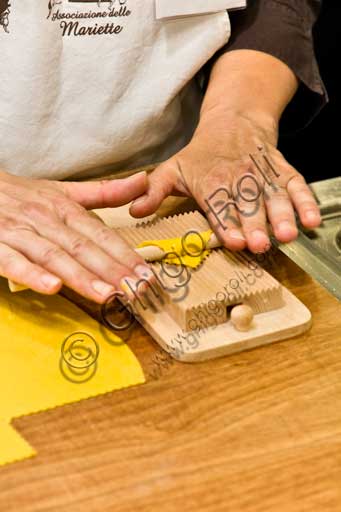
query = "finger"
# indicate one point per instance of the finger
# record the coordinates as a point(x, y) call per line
point(304, 202)
point(161, 183)
point(281, 214)
point(85, 254)
point(109, 243)
point(252, 213)
point(108, 193)
point(78, 235)
point(103, 251)
point(15, 267)
point(221, 210)
point(55, 260)
point(73, 275)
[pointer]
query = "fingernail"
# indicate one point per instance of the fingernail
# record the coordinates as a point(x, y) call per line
point(140, 200)
point(236, 235)
point(285, 225)
point(312, 215)
point(259, 236)
point(50, 281)
point(103, 288)
point(144, 272)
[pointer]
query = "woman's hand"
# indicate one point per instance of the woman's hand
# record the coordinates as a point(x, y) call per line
point(217, 169)
point(47, 237)
point(232, 167)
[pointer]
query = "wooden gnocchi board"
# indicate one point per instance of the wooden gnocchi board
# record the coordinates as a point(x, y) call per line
point(191, 321)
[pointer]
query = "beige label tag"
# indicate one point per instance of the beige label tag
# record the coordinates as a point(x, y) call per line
point(168, 9)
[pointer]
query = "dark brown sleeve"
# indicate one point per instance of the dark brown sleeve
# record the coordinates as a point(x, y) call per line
point(284, 29)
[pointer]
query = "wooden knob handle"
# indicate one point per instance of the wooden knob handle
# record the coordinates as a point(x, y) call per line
point(242, 317)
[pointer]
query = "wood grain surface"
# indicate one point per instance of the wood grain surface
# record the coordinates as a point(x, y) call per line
point(259, 431)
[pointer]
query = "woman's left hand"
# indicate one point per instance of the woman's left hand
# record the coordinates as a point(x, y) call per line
point(234, 171)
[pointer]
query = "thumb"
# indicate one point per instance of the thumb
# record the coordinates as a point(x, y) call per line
point(161, 183)
point(106, 193)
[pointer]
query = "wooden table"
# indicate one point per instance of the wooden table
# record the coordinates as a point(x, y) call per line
point(258, 431)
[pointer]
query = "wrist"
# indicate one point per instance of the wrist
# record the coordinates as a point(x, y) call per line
point(251, 83)
point(226, 120)
point(224, 113)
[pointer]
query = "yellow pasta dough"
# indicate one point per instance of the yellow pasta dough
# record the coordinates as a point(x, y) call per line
point(52, 353)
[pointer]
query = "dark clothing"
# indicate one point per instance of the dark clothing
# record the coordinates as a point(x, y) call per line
point(315, 150)
point(284, 29)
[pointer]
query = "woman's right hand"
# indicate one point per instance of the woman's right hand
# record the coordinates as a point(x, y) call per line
point(48, 238)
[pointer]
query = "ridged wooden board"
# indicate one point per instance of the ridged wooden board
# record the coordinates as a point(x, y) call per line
point(238, 266)
point(192, 322)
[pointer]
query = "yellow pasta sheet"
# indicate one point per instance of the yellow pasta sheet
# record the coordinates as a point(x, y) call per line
point(52, 353)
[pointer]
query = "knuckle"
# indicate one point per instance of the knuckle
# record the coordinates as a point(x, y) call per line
point(280, 193)
point(299, 178)
point(45, 192)
point(308, 204)
point(79, 246)
point(12, 230)
point(289, 172)
point(217, 191)
point(7, 225)
point(35, 210)
point(103, 235)
point(297, 183)
point(51, 254)
point(273, 191)
point(304, 193)
point(68, 210)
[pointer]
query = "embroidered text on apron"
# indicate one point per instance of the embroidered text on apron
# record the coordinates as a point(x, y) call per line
point(94, 85)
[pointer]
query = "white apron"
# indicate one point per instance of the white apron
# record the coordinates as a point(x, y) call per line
point(92, 86)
